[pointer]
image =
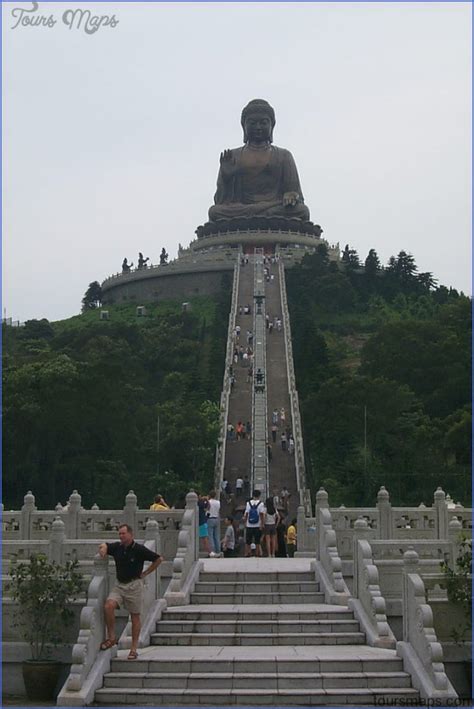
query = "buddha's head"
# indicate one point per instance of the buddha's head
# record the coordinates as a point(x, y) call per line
point(258, 121)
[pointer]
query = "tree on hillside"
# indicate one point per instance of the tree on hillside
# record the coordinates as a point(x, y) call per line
point(372, 263)
point(92, 297)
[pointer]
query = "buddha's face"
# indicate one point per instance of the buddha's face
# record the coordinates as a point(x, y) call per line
point(258, 128)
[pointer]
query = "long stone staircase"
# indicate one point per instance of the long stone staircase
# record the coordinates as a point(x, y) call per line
point(257, 632)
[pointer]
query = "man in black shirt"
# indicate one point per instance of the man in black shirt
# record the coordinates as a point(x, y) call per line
point(129, 558)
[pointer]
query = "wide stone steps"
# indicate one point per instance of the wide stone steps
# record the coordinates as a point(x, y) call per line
point(255, 638)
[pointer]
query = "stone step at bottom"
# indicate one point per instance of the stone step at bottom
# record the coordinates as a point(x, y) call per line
point(256, 697)
point(253, 639)
point(248, 680)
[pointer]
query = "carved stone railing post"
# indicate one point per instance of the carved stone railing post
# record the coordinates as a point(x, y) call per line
point(89, 664)
point(385, 514)
point(328, 562)
point(73, 515)
point(368, 603)
point(130, 510)
point(441, 513)
point(152, 533)
point(421, 652)
point(25, 519)
point(455, 537)
point(185, 564)
point(301, 526)
point(56, 542)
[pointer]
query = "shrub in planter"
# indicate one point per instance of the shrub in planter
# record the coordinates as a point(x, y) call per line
point(42, 591)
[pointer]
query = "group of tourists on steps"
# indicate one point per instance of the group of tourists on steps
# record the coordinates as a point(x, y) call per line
point(261, 529)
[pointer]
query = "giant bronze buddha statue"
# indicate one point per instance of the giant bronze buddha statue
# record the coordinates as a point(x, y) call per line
point(258, 179)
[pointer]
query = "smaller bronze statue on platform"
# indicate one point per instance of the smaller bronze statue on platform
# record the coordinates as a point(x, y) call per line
point(126, 266)
point(163, 257)
point(142, 261)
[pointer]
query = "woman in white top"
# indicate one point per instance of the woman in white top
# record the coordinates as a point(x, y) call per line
point(271, 520)
point(213, 524)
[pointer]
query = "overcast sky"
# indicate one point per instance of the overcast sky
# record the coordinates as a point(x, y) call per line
point(112, 139)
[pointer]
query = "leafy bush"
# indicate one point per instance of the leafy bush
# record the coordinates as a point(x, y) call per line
point(42, 590)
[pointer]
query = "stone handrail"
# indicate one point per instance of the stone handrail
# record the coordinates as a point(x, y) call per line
point(92, 627)
point(304, 494)
point(79, 523)
point(421, 652)
point(185, 564)
point(259, 456)
point(368, 602)
point(442, 521)
point(328, 561)
point(226, 387)
point(176, 266)
point(88, 663)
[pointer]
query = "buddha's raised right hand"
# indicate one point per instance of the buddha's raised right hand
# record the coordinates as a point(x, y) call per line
point(227, 161)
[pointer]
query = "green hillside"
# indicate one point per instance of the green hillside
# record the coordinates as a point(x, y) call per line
point(383, 367)
point(82, 398)
point(382, 361)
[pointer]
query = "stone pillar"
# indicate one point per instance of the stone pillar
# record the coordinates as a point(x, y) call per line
point(410, 566)
point(441, 518)
point(454, 534)
point(385, 514)
point(56, 542)
point(301, 525)
point(25, 519)
point(73, 516)
point(152, 531)
point(191, 504)
point(361, 531)
point(101, 566)
point(322, 499)
point(130, 510)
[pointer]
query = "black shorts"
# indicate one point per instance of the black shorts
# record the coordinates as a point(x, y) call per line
point(253, 534)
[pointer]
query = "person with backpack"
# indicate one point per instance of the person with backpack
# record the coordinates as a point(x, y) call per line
point(254, 518)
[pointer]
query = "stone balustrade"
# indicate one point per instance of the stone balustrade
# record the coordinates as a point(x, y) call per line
point(186, 563)
point(89, 664)
point(297, 429)
point(226, 385)
point(368, 602)
point(259, 456)
point(421, 652)
point(31, 529)
point(328, 561)
point(409, 523)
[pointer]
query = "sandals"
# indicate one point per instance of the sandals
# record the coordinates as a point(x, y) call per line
point(132, 655)
point(107, 644)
